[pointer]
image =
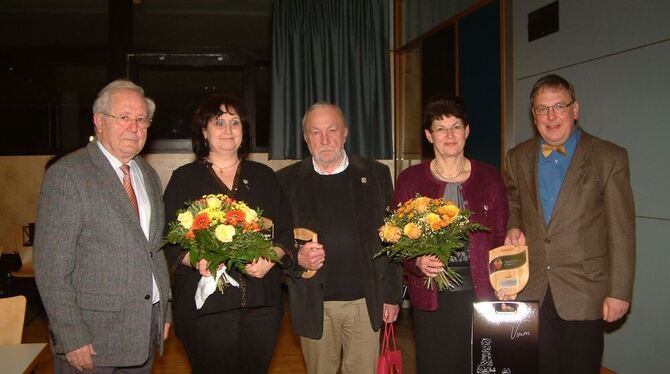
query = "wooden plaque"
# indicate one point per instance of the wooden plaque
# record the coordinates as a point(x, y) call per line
point(508, 268)
point(306, 235)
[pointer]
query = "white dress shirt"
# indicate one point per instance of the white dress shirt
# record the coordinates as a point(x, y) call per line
point(143, 204)
point(340, 167)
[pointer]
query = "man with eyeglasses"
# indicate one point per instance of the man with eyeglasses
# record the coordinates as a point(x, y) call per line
point(99, 227)
point(571, 202)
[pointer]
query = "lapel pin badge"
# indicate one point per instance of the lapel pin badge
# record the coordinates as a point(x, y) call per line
point(364, 180)
point(246, 183)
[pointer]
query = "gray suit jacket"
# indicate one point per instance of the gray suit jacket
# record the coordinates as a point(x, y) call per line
point(587, 251)
point(93, 263)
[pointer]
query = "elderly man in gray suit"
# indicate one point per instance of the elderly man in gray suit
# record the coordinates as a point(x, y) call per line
point(99, 226)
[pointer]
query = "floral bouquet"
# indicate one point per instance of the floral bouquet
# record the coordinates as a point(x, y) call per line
point(222, 231)
point(424, 226)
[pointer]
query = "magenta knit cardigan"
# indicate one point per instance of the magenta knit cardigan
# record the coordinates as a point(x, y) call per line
point(485, 196)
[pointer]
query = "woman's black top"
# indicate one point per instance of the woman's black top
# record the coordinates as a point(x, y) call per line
point(256, 185)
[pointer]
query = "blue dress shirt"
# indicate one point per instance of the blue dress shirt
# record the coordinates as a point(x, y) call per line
point(551, 171)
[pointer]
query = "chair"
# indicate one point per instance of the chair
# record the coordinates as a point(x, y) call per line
point(27, 270)
point(13, 312)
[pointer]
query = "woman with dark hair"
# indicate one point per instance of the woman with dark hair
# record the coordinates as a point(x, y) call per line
point(442, 320)
point(234, 331)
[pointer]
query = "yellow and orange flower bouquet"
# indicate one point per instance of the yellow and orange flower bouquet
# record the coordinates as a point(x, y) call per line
point(424, 226)
point(221, 230)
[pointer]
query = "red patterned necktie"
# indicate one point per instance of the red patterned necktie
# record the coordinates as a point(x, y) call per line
point(128, 186)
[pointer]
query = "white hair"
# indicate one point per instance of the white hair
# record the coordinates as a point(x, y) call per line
point(101, 104)
point(323, 104)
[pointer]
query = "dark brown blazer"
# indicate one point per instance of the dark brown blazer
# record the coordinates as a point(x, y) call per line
point(587, 250)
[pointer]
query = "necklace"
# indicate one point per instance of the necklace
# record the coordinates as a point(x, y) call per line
point(436, 170)
point(221, 169)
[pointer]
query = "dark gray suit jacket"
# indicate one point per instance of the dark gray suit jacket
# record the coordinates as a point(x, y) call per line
point(372, 190)
point(93, 263)
point(587, 251)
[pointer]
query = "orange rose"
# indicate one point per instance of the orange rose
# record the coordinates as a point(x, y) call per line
point(201, 221)
point(434, 221)
point(189, 235)
point(234, 216)
point(449, 209)
point(421, 204)
point(389, 233)
point(253, 226)
point(412, 231)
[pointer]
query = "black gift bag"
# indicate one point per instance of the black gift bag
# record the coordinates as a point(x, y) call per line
point(505, 338)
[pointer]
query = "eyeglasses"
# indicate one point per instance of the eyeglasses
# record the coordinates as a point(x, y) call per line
point(220, 122)
point(125, 120)
point(455, 129)
point(558, 108)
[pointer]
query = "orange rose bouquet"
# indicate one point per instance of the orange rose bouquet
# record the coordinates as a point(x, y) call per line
point(222, 231)
point(424, 226)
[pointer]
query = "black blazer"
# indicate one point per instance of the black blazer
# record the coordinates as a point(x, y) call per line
point(256, 185)
point(372, 189)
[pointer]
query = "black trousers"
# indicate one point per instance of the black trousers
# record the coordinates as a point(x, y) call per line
point(568, 347)
point(235, 341)
point(443, 337)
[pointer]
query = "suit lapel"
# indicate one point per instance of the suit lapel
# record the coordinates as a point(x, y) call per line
point(154, 200)
point(110, 183)
point(531, 180)
point(306, 192)
point(361, 183)
point(576, 171)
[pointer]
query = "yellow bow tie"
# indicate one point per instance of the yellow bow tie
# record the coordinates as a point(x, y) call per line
point(547, 149)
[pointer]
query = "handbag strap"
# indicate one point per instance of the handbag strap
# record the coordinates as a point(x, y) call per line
point(392, 335)
point(389, 335)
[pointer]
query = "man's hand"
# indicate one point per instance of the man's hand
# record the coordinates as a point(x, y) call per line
point(258, 268)
point(504, 295)
point(81, 358)
point(166, 330)
point(614, 309)
point(311, 256)
point(391, 312)
point(515, 237)
point(430, 266)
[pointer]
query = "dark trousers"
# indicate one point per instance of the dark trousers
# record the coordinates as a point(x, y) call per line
point(568, 347)
point(235, 341)
point(443, 337)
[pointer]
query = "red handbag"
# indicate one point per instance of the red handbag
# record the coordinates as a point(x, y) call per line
point(389, 361)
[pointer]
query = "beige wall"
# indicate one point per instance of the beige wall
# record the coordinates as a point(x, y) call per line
point(21, 178)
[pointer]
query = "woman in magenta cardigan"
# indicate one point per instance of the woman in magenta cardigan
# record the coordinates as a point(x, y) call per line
point(442, 320)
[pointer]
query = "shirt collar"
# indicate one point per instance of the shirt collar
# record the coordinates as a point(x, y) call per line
point(116, 164)
point(340, 167)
